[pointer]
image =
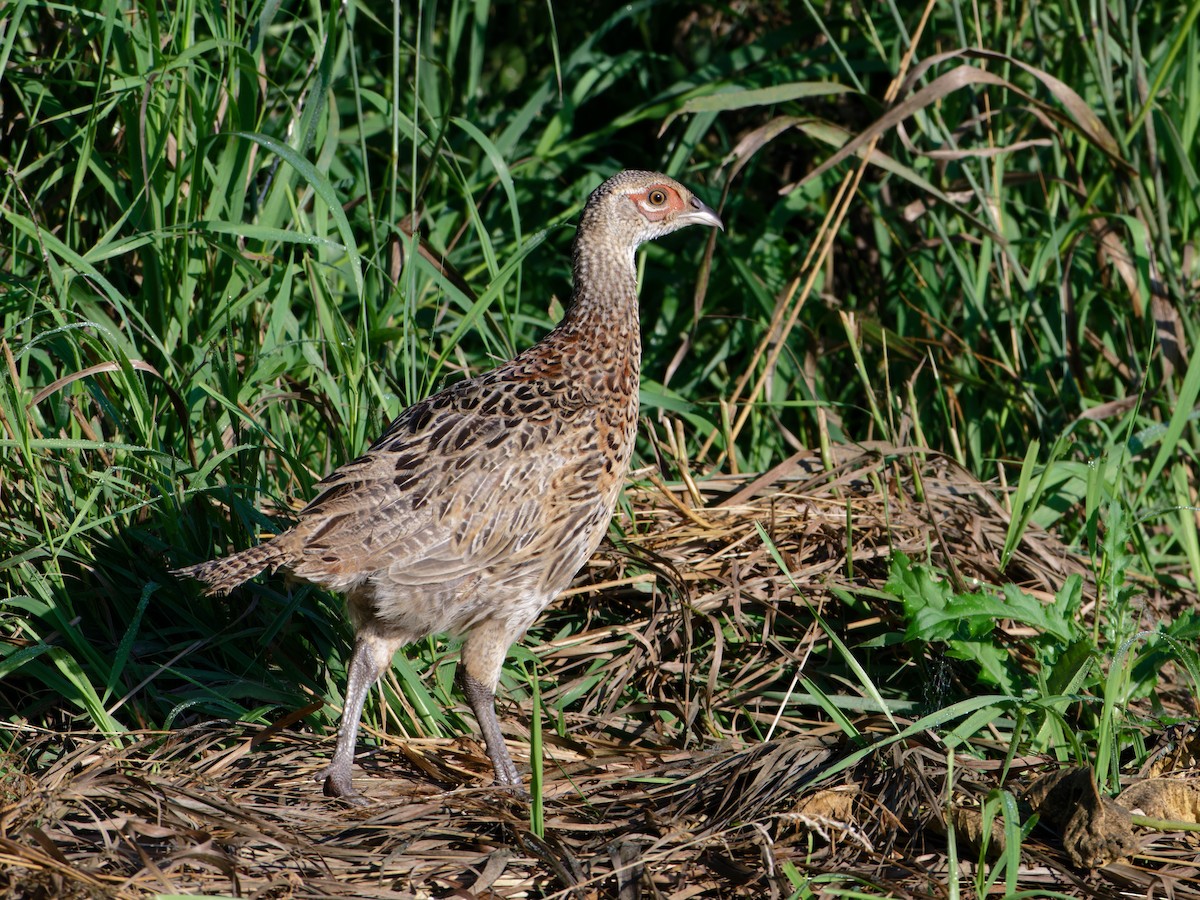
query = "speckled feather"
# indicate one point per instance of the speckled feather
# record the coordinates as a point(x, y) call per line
point(479, 504)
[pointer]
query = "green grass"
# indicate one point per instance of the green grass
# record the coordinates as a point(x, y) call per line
point(238, 239)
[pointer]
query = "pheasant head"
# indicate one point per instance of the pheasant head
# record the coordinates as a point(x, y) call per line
point(633, 207)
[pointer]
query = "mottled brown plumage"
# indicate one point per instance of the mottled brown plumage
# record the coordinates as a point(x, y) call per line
point(478, 505)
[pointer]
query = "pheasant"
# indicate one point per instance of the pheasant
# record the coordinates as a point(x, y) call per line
point(478, 505)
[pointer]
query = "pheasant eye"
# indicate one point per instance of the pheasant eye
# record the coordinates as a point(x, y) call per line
point(657, 197)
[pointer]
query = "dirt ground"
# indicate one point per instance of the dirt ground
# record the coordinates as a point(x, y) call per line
point(234, 812)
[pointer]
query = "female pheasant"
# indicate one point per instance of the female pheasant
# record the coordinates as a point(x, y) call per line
point(478, 505)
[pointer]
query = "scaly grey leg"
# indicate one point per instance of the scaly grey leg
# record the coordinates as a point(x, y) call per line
point(372, 655)
point(483, 703)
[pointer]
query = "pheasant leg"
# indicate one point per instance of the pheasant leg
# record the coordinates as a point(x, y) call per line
point(483, 704)
point(372, 655)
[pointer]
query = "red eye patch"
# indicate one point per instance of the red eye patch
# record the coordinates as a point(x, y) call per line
point(656, 201)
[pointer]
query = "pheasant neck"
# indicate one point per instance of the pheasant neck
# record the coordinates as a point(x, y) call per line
point(604, 302)
point(602, 321)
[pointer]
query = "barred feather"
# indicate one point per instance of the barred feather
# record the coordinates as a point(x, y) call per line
point(220, 576)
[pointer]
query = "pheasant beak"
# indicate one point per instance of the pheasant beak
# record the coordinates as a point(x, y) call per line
point(700, 213)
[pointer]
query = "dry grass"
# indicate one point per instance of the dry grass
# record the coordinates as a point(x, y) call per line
point(213, 809)
point(672, 793)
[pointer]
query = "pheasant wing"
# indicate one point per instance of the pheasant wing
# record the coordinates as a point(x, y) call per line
point(457, 484)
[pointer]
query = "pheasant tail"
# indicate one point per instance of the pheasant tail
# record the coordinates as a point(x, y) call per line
point(220, 576)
